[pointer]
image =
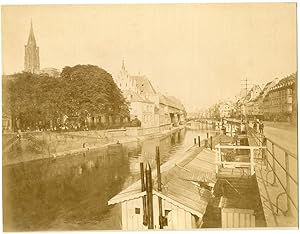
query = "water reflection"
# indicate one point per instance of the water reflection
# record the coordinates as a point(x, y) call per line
point(71, 193)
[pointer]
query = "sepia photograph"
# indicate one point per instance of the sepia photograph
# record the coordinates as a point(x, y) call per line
point(135, 117)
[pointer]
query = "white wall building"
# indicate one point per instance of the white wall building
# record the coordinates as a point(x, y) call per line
point(141, 96)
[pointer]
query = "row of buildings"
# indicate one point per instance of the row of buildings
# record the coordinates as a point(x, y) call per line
point(275, 101)
point(151, 107)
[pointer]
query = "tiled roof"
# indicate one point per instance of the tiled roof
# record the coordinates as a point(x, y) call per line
point(143, 84)
point(163, 100)
point(267, 86)
point(287, 81)
point(132, 96)
point(176, 103)
point(171, 101)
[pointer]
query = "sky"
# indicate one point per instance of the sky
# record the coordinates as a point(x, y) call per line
point(196, 52)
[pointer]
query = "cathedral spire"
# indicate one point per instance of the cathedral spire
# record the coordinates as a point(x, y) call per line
point(31, 38)
point(32, 58)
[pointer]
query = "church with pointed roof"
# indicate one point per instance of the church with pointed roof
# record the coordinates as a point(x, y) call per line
point(32, 58)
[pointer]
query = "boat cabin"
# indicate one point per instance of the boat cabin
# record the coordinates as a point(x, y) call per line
point(186, 190)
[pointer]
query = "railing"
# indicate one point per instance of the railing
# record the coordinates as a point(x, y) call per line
point(274, 165)
point(8, 144)
point(250, 164)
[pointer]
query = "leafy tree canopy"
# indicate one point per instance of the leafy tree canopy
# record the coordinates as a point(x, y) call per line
point(91, 90)
point(82, 90)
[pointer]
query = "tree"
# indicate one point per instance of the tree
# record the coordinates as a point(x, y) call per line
point(33, 98)
point(82, 91)
point(89, 91)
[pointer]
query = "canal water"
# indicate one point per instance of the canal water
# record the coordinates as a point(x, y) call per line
point(71, 193)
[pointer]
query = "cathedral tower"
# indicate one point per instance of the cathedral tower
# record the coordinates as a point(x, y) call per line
point(32, 58)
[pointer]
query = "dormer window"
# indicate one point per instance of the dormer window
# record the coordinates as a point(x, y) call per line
point(137, 210)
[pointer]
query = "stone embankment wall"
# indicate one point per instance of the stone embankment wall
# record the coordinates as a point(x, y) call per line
point(52, 144)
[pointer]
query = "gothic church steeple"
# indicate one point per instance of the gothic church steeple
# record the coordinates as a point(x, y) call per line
point(31, 38)
point(32, 58)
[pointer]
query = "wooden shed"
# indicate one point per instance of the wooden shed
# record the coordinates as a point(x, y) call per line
point(186, 190)
point(240, 204)
point(235, 216)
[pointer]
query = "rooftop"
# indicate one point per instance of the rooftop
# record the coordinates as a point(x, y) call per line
point(182, 185)
point(134, 97)
point(143, 85)
point(287, 81)
point(171, 101)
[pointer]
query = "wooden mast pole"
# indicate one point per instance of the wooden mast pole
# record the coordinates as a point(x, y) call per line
point(159, 187)
point(143, 188)
point(149, 197)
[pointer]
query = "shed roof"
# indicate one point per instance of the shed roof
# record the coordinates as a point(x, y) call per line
point(171, 101)
point(239, 193)
point(180, 184)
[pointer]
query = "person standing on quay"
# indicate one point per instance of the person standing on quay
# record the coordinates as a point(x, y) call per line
point(261, 128)
point(243, 128)
point(255, 126)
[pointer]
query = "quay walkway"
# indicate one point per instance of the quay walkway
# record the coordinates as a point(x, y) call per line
point(276, 170)
point(277, 176)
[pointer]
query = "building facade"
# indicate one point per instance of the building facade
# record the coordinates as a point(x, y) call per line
point(225, 109)
point(141, 108)
point(262, 103)
point(142, 97)
point(171, 111)
point(251, 98)
point(281, 99)
point(32, 58)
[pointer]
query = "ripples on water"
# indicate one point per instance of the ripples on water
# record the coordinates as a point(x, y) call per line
point(71, 193)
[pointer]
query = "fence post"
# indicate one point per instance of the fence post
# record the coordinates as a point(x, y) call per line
point(274, 166)
point(264, 144)
point(194, 141)
point(199, 142)
point(159, 187)
point(211, 143)
point(287, 186)
point(220, 156)
point(252, 161)
point(217, 159)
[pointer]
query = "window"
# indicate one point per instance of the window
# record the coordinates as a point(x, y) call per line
point(137, 210)
point(167, 212)
point(165, 218)
point(197, 221)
